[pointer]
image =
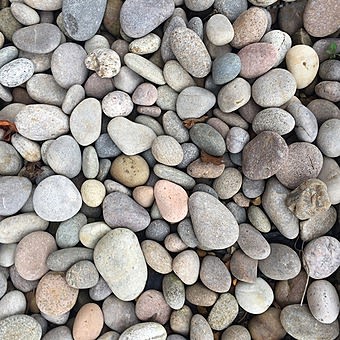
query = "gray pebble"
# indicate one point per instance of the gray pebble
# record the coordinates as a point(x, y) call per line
point(7, 54)
point(140, 331)
point(98, 87)
point(74, 95)
point(152, 123)
point(238, 212)
point(16, 72)
point(3, 284)
point(41, 62)
point(329, 90)
point(127, 80)
point(12, 303)
point(231, 9)
point(58, 333)
point(20, 283)
point(173, 126)
point(236, 332)
point(236, 139)
point(90, 162)
point(330, 70)
point(100, 291)
point(226, 68)
point(25, 325)
point(228, 184)
point(24, 14)
point(176, 76)
point(190, 153)
point(166, 98)
point(173, 291)
point(252, 188)
point(323, 110)
point(157, 230)
point(105, 147)
point(82, 275)
point(10, 160)
point(200, 328)
point(258, 219)
point(186, 233)
point(328, 138)
point(7, 254)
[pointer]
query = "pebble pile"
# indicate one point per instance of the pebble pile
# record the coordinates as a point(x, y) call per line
point(169, 169)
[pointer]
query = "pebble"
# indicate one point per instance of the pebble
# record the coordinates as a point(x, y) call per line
point(252, 188)
point(82, 275)
point(25, 325)
point(91, 233)
point(328, 138)
point(255, 298)
point(219, 30)
point(303, 63)
point(200, 328)
point(31, 254)
point(63, 259)
point(249, 27)
point(58, 333)
point(40, 122)
point(10, 160)
point(88, 322)
point(14, 228)
point(136, 25)
point(167, 150)
point(329, 90)
point(100, 291)
point(316, 17)
point(273, 202)
point(90, 162)
point(67, 164)
point(135, 217)
point(12, 303)
point(236, 139)
point(52, 204)
point(228, 184)
point(200, 295)
point(25, 14)
point(85, 121)
point(40, 38)
point(8, 54)
point(180, 320)
point(127, 80)
point(234, 95)
point(74, 95)
point(97, 41)
point(200, 169)
point(273, 119)
point(214, 225)
point(258, 219)
point(264, 155)
point(321, 257)
point(140, 331)
point(16, 72)
point(145, 94)
point(157, 230)
point(15, 191)
point(67, 234)
point(172, 201)
point(186, 233)
point(139, 139)
point(20, 283)
point(67, 65)
point(236, 332)
point(105, 147)
point(98, 87)
point(274, 88)
point(225, 68)
point(224, 312)
point(157, 257)
point(186, 266)
point(118, 314)
point(191, 152)
point(176, 76)
point(173, 291)
point(330, 70)
point(3, 284)
point(166, 98)
point(150, 122)
point(29, 150)
point(145, 45)
point(82, 20)
point(120, 261)
point(173, 127)
point(8, 24)
point(151, 306)
point(144, 196)
point(190, 52)
point(298, 322)
point(7, 254)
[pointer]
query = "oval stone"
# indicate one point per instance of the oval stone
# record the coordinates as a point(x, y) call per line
point(214, 225)
point(120, 261)
point(12, 303)
point(156, 256)
point(82, 275)
point(144, 330)
point(16, 72)
point(173, 291)
point(225, 68)
point(26, 326)
point(167, 150)
point(39, 38)
point(40, 122)
point(282, 263)
point(200, 328)
point(91, 233)
point(186, 266)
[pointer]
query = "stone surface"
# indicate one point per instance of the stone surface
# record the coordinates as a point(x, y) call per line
point(16, 72)
point(186, 266)
point(225, 68)
point(173, 291)
point(157, 257)
point(219, 30)
point(12, 303)
point(167, 150)
point(228, 184)
point(327, 139)
point(151, 330)
point(200, 328)
point(21, 327)
point(236, 332)
point(82, 275)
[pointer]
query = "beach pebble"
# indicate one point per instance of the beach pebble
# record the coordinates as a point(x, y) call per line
point(10, 160)
point(54, 296)
point(328, 138)
point(173, 291)
point(156, 256)
point(58, 333)
point(74, 95)
point(321, 257)
point(264, 155)
point(255, 298)
point(200, 328)
point(140, 331)
point(186, 266)
point(236, 332)
point(98, 87)
point(274, 88)
point(180, 320)
point(236, 139)
point(190, 52)
point(145, 45)
point(145, 94)
point(176, 76)
point(16, 72)
point(173, 126)
point(323, 301)
point(212, 232)
point(90, 162)
point(91, 233)
point(82, 275)
point(7, 255)
point(25, 325)
point(52, 204)
point(88, 322)
point(12, 303)
point(28, 149)
point(298, 322)
point(329, 90)
point(225, 68)
point(330, 70)
point(167, 150)
point(219, 30)
point(228, 184)
point(24, 14)
point(144, 195)
point(120, 261)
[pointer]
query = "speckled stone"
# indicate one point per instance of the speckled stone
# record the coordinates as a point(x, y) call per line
point(328, 138)
point(152, 330)
point(12, 303)
point(219, 30)
point(167, 150)
point(236, 332)
point(199, 295)
point(98, 87)
point(20, 327)
point(16, 72)
point(200, 328)
point(82, 275)
point(173, 291)
point(329, 90)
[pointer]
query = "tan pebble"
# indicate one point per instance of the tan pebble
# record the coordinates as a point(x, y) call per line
point(157, 257)
point(186, 266)
point(174, 243)
point(88, 322)
point(93, 192)
point(199, 169)
point(143, 195)
point(91, 233)
point(145, 45)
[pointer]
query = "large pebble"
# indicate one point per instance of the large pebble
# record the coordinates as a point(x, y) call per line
point(273, 201)
point(214, 225)
point(67, 65)
point(14, 228)
point(255, 298)
point(173, 291)
point(328, 138)
point(31, 254)
point(194, 102)
point(54, 296)
point(144, 330)
point(85, 121)
point(274, 88)
point(135, 217)
point(157, 257)
point(264, 155)
point(298, 322)
point(139, 139)
point(16, 72)
point(39, 38)
point(25, 14)
point(40, 122)
point(120, 261)
point(219, 30)
point(20, 327)
point(190, 51)
point(53, 204)
point(10, 160)
point(14, 193)
point(12, 303)
point(186, 266)
point(321, 257)
point(200, 328)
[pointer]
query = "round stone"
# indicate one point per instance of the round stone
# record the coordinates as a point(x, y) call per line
point(12, 303)
point(140, 331)
point(200, 328)
point(145, 94)
point(200, 295)
point(145, 45)
point(117, 103)
point(174, 291)
point(20, 327)
point(236, 332)
point(219, 30)
point(228, 184)
point(31, 254)
point(93, 192)
point(255, 298)
point(176, 76)
point(328, 138)
point(144, 196)
point(236, 139)
point(157, 230)
point(91, 233)
point(186, 266)
point(82, 275)
point(16, 72)
point(225, 68)
point(330, 70)
point(54, 296)
point(264, 155)
point(10, 160)
point(52, 204)
point(167, 150)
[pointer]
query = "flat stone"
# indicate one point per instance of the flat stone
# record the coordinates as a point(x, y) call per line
point(236, 139)
point(82, 275)
point(157, 257)
point(10, 160)
point(52, 204)
point(39, 38)
point(100, 291)
point(139, 139)
point(330, 70)
point(58, 333)
point(49, 5)
point(173, 291)
point(20, 283)
point(145, 45)
point(228, 184)
point(120, 261)
point(299, 322)
point(243, 267)
point(214, 225)
point(329, 90)
point(40, 122)
point(25, 14)
point(152, 330)
point(186, 233)
point(157, 230)
point(16, 72)
point(105, 147)
point(176, 76)
point(25, 325)
point(135, 217)
point(81, 20)
point(8, 24)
